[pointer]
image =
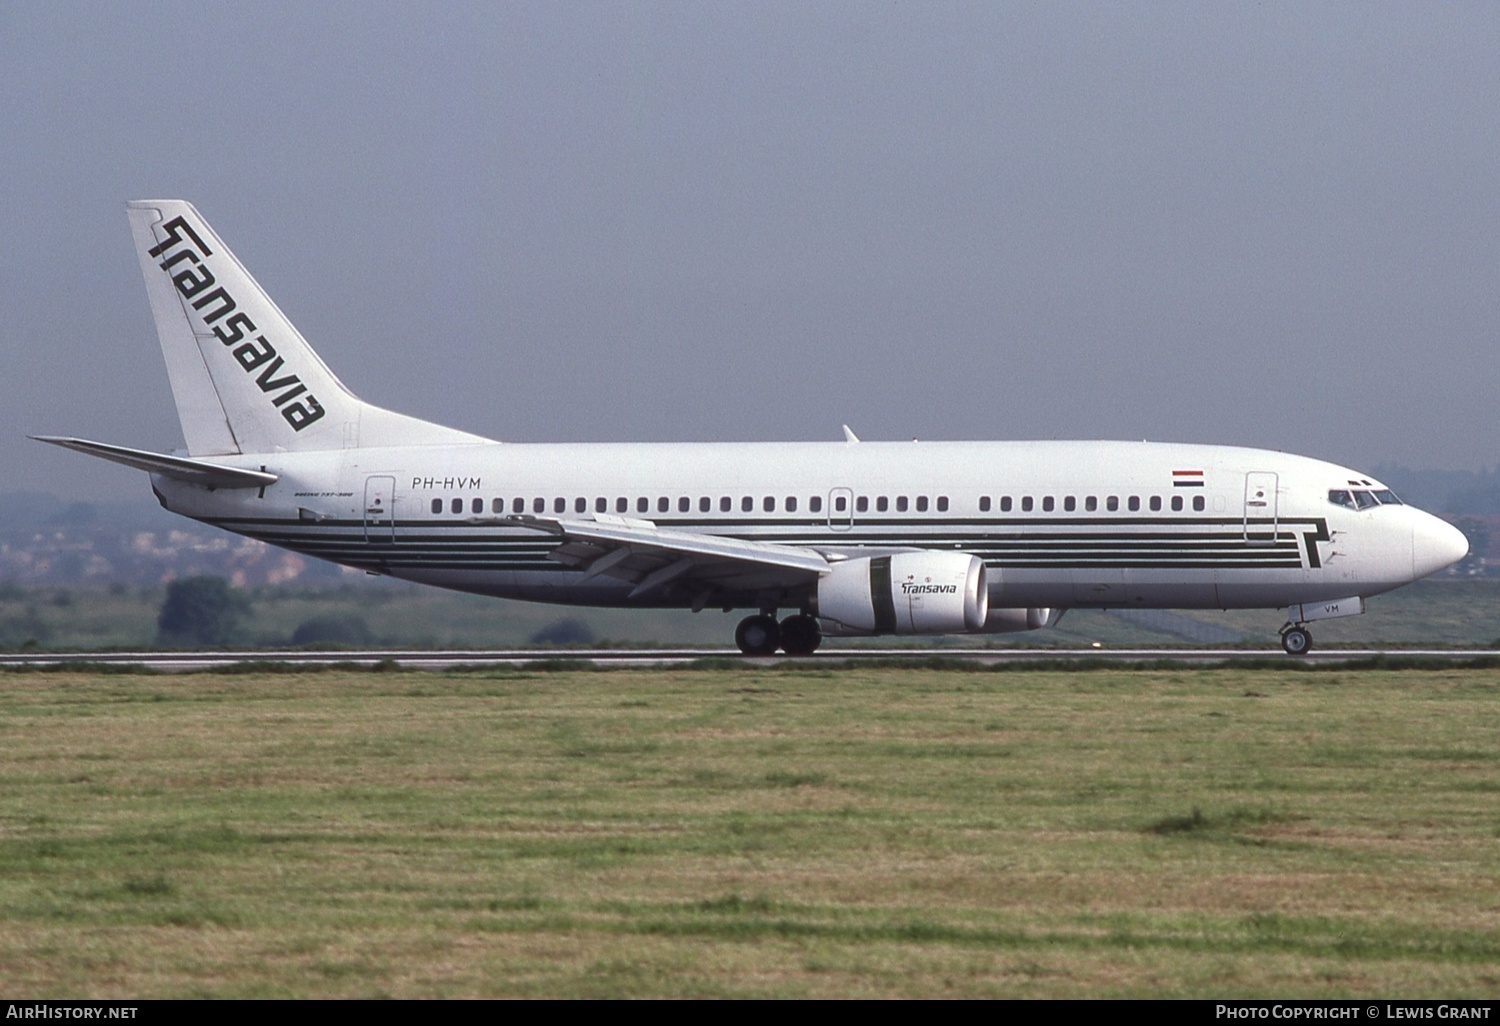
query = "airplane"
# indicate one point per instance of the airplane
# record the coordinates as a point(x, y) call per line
point(851, 538)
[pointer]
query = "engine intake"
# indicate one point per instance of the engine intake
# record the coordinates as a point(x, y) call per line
point(906, 593)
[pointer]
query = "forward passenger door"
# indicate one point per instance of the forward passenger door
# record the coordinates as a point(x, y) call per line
point(1261, 509)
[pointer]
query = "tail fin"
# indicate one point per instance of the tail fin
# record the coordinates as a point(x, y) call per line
point(243, 378)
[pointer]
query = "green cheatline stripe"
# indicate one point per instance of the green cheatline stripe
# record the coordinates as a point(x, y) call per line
point(1025, 541)
point(1280, 551)
point(966, 544)
point(724, 525)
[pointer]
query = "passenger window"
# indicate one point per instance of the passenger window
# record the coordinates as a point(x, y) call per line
point(942, 503)
point(476, 506)
point(984, 504)
point(643, 505)
point(663, 504)
point(622, 504)
point(1176, 504)
point(1025, 504)
point(704, 505)
point(497, 505)
point(601, 505)
point(815, 504)
point(746, 504)
point(1005, 504)
point(768, 504)
point(518, 505)
point(560, 504)
point(840, 504)
point(921, 504)
point(1112, 504)
point(437, 505)
point(1047, 504)
point(862, 504)
point(539, 505)
point(901, 504)
point(684, 505)
point(1135, 503)
point(458, 505)
point(1156, 503)
point(882, 504)
point(723, 504)
point(791, 504)
point(1198, 503)
point(1070, 503)
point(1091, 503)
point(580, 505)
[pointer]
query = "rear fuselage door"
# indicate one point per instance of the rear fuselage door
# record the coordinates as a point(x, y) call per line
point(380, 509)
point(1260, 508)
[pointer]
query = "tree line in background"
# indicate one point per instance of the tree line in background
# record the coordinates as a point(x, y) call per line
point(205, 612)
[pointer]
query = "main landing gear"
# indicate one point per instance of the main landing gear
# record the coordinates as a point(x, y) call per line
point(761, 635)
point(1296, 639)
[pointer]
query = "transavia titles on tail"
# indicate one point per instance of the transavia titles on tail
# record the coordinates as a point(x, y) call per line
point(847, 538)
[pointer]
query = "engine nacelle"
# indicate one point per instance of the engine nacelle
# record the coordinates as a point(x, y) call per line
point(907, 593)
point(1009, 621)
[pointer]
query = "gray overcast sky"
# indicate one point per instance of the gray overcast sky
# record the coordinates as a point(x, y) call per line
point(1270, 224)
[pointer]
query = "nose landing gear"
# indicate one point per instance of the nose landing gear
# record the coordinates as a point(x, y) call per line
point(1296, 639)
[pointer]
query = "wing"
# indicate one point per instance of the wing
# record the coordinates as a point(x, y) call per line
point(652, 557)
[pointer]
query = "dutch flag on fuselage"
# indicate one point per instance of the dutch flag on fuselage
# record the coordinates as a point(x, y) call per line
point(1187, 479)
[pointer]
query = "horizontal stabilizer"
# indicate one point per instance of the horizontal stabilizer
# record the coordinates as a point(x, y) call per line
point(198, 472)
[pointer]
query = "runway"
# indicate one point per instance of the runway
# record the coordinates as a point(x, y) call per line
point(623, 658)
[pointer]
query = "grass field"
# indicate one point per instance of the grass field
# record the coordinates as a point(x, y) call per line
point(751, 832)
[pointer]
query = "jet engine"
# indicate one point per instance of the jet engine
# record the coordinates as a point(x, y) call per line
point(906, 593)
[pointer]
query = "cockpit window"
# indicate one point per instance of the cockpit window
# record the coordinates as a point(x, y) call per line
point(1357, 498)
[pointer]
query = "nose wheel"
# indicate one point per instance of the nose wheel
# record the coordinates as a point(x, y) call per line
point(1296, 640)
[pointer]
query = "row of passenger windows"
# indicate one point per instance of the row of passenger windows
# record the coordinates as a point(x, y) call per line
point(1091, 503)
point(768, 504)
point(840, 504)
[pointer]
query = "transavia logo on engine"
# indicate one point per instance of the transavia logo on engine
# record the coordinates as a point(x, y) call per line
point(196, 284)
point(912, 588)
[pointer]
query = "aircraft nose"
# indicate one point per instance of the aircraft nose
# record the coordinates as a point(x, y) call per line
point(1435, 545)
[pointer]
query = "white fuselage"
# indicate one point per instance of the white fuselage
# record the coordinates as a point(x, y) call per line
point(1060, 524)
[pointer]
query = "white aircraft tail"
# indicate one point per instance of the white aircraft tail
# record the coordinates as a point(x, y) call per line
point(244, 379)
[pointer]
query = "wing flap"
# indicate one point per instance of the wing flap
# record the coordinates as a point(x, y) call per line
point(198, 472)
point(652, 557)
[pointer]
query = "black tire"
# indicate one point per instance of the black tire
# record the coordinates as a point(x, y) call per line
point(800, 635)
point(1296, 641)
point(758, 635)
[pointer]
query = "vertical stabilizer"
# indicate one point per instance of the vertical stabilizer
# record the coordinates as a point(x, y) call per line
point(244, 379)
